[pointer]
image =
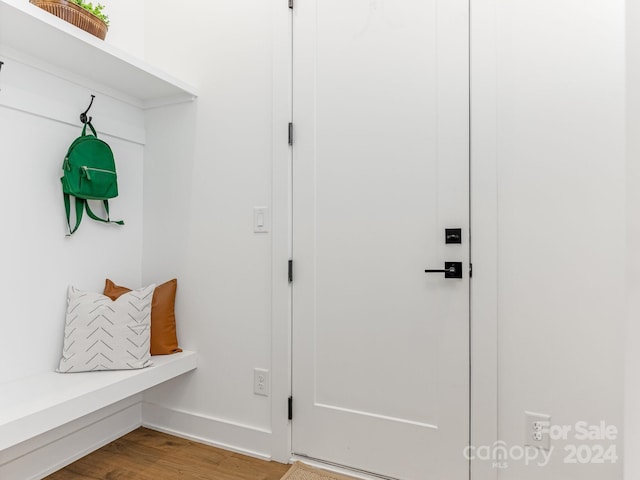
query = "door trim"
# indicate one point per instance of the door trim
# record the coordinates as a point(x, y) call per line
point(281, 215)
point(483, 338)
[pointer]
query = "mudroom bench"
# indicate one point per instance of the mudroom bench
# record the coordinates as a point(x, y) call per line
point(39, 403)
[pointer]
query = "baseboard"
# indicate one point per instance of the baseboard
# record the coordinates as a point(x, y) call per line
point(217, 432)
point(51, 451)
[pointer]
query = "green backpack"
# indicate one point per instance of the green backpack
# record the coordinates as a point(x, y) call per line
point(89, 174)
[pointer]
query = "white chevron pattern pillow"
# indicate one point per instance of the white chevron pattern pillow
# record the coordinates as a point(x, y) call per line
point(102, 334)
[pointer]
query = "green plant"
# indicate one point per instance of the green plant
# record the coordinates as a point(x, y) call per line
point(95, 9)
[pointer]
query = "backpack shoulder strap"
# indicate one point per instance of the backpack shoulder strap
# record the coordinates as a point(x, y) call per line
point(81, 205)
point(79, 210)
point(106, 209)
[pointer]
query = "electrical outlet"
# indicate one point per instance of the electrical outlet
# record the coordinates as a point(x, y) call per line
point(261, 382)
point(536, 430)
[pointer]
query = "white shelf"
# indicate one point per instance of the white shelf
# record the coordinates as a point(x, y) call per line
point(31, 31)
point(39, 403)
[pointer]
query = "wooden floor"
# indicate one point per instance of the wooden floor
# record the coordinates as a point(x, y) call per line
point(149, 455)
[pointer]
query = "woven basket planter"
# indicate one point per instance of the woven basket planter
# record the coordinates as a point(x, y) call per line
point(75, 15)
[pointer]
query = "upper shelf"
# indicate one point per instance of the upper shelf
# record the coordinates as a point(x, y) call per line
point(28, 29)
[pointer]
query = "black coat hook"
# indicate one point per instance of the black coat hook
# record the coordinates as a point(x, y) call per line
point(83, 116)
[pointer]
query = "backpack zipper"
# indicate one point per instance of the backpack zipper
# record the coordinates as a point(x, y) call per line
point(86, 171)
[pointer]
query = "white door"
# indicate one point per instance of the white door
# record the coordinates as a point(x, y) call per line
point(380, 170)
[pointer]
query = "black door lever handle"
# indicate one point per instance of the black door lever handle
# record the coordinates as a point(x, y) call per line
point(451, 270)
point(448, 270)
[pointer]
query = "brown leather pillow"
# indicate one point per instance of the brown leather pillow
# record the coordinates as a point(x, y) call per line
point(163, 317)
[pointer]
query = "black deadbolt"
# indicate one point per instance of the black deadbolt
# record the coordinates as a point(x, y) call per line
point(452, 235)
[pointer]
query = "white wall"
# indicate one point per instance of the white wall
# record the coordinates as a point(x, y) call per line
point(551, 127)
point(39, 118)
point(632, 371)
point(557, 74)
point(199, 199)
point(548, 100)
point(126, 25)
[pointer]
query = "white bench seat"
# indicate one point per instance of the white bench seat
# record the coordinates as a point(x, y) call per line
point(34, 405)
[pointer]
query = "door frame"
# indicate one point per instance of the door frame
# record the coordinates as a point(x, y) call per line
point(483, 338)
point(281, 231)
point(483, 331)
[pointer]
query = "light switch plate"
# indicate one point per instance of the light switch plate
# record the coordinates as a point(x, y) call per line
point(260, 219)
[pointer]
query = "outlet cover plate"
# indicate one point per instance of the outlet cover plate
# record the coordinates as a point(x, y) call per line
point(536, 430)
point(261, 382)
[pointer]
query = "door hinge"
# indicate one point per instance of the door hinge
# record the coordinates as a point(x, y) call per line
point(290, 3)
point(470, 270)
point(290, 408)
point(290, 270)
point(290, 133)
